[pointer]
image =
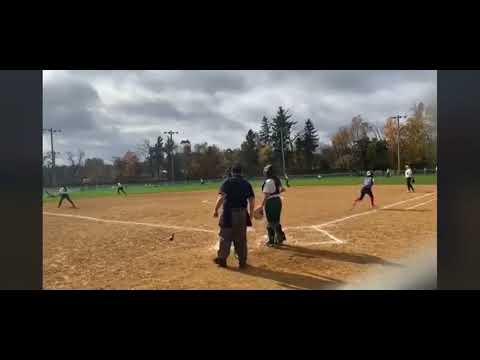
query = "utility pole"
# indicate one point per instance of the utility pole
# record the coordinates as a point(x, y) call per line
point(398, 117)
point(51, 131)
point(283, 151)
point(171, 151)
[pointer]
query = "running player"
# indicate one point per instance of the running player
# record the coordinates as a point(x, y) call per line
point(63, 193)
point(368, 183)
point(120, 189)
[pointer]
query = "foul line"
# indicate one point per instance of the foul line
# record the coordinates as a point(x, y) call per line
point(372, 211)
point(319, 228)
point(337, 240)
point(418, 205)
point(356, 215)
point(131, 223)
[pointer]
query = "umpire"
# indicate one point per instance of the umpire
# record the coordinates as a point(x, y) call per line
point(234, 195)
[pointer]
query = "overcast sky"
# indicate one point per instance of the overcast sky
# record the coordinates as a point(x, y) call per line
point(106, 113)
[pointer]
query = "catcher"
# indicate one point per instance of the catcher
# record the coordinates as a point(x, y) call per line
point(272, 203)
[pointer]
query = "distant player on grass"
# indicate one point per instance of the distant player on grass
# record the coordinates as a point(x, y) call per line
point(63, 193)
point(409, 178)
point(368, 183)
point(120, 189)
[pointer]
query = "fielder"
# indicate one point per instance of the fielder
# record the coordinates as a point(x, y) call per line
point(368, 183)
point(120, 189)
point(272, 203)
point(409, 178)
point(63, 193)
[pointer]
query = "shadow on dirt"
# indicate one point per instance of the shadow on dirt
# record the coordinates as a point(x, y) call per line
point(338, 256)
point(292, 281)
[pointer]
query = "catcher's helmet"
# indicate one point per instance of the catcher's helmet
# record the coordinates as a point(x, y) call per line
point(268, 170)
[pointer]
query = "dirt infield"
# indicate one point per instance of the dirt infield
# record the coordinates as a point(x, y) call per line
point(123, 242)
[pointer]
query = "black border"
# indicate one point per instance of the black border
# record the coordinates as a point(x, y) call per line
point(458, 179)
point(21, 179)
point(458, 127)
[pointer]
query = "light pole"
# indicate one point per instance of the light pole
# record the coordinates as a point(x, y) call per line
point(283, 151)
point(171, 151)
point(398, 117)
point(51, 131)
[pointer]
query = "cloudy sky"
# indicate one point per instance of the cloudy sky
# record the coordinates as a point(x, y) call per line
point(106, 113)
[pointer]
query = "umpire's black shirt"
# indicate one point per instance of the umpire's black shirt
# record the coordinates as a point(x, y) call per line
point(237, 191)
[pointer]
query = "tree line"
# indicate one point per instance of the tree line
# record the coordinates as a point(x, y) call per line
point(357, 146)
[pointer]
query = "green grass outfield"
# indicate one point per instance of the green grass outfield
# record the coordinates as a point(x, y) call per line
point(106, 191)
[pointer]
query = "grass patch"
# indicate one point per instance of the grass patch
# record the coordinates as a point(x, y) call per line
point(107, 191)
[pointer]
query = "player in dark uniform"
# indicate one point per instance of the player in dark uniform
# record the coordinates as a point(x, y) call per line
point(120, 189)
point(63, 193)
point(272, 203)
point(368, 183)
point(235, 193)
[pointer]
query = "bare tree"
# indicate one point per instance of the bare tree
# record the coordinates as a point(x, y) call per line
point(143, 149)
point(75, 161)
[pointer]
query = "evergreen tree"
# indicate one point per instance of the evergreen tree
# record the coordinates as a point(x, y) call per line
point(282, 128)
point(299, 153)
point(310, 142)
point(249, 154)
point(265, 132)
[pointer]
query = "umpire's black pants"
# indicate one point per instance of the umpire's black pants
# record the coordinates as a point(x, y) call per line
point(237, 234)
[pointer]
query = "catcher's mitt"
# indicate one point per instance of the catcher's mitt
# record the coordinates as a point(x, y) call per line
point(258, 213)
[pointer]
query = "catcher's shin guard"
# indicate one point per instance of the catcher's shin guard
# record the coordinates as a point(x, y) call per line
point(271, 233)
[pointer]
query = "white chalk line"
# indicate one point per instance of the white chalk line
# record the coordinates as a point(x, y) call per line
point(304, 227)
point(418, 205)
point(185, 228)
point(336, 240)
point(320, 228)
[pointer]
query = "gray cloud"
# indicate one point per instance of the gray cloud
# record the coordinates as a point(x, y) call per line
point(209, 82)
point(107, 113)
point(70, 107)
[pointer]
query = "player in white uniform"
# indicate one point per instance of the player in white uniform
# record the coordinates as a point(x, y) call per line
point(272, 203)
point(120, 189)
point(368, 183)
point(63, 193)
point(409, 178)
